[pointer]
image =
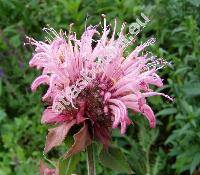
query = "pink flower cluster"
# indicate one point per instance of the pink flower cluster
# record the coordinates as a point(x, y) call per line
point(123, 83)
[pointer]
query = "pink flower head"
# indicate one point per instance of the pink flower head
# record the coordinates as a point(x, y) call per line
point(102, 91)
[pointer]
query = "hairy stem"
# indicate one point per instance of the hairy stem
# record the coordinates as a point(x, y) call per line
point(90, 160)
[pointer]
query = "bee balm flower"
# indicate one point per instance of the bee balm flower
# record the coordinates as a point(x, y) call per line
point(106, 89)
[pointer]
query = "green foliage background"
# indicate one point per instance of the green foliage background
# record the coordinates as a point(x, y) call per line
point(172, 148)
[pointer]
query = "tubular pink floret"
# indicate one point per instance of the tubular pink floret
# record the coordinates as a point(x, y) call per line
point(42, 79)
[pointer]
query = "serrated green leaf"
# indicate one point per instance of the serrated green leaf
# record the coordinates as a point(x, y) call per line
point(114, 159)
point(67, 166)
point(186, 107)
point(195, 163)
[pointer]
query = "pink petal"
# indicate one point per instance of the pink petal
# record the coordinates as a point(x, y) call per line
point(49, 116)
point(155, 80)
point(42, 79)
point(149, 94)
point(147, 111)
point(116, 112)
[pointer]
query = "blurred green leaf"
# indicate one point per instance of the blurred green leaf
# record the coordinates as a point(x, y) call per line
point(192, 89)
point(2, 115)
point(0, 87)
point(194, 2)
point(167, 111)
point(15, 41)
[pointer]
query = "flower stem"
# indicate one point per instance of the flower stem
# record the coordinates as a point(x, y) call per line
point(90, 160)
